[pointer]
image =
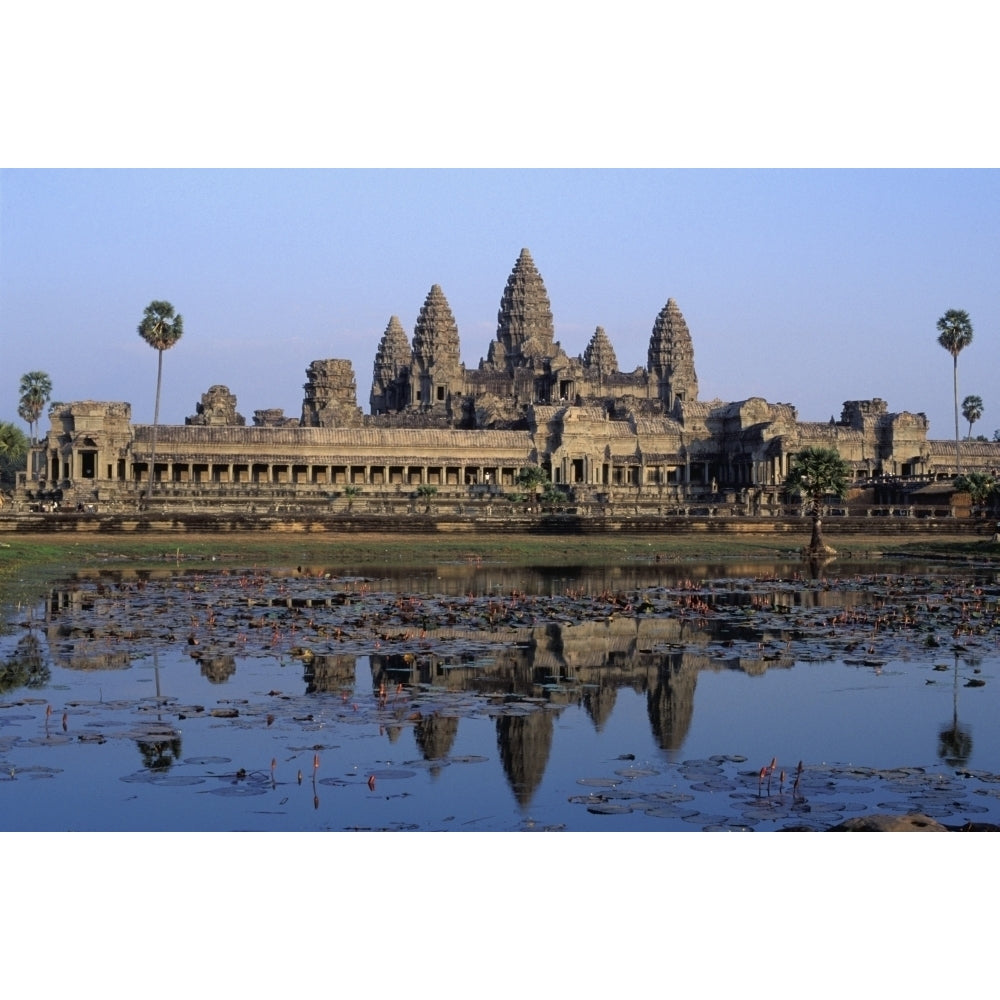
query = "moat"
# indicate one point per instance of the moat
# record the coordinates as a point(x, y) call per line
point(471, 697)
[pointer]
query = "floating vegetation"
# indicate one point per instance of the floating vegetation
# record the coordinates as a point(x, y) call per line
point(334, 680)
point(608, 809)
point(238, 791)
point(31, 771)
point(939, 796)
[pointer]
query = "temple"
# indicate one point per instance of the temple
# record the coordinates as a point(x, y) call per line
point(599, 435)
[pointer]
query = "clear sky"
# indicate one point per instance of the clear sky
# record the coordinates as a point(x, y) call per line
point(803, 286)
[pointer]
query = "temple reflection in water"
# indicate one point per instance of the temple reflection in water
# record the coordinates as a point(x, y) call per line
point(521, 677)
point(559, 665)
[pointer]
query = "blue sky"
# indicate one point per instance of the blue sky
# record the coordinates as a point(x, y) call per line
point(804, 286)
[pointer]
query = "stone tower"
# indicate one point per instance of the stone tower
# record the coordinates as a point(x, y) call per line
point(671, 358)
point(599, 359)
point(437, 371)
point(331, 395)
point(525, 330)
point(392, 370)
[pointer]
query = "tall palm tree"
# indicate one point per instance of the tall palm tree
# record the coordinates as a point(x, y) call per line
point(36, 390)
point(815, 474)
point(972, 410)
point(954, 335)
point(161, 328)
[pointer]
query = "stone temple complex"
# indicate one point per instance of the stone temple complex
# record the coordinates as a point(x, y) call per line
point(600, 435)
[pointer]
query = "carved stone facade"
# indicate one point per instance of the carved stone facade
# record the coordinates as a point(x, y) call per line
point(216, 409)
point(598, 432)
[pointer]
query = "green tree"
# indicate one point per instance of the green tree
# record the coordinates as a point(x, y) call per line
point(161, 328)
point(35, 391)
point(427, 491)
point(815, 474)
point(532, 476)
point(352, 493)
point(13, 449)
point(981, 487)
point(972, 410)
point(954, 335)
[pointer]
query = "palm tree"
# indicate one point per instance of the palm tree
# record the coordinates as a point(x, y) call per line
point(427, 491)
point(815, 474)
point(972, 410)
point(534, 478)
point(351, 492)
point(36, 390)
point(981, 487)
point(161, 328)
point(955, 334)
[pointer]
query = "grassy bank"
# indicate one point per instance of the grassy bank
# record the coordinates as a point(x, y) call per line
point(414, 550)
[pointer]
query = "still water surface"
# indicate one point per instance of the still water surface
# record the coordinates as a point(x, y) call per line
point(473, 698)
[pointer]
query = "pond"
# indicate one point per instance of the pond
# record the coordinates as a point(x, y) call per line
point(474, 698)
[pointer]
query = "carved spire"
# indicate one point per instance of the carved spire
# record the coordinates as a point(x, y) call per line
point(671, 357)
point(392, 368)
point(435, 338)
point(393, 356)
point(600, 355)
point(436, 375)
point(524, 322)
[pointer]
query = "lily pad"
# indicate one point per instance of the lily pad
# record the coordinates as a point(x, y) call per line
point(239, 791)
point(665, 812)
point(176, 779)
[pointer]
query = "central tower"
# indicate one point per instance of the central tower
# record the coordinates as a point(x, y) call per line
point(525, 330)
point(671, 357)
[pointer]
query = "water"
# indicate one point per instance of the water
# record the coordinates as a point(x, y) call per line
point(466, 698)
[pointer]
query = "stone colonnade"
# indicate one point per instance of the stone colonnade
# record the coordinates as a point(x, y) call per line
point(376, 473)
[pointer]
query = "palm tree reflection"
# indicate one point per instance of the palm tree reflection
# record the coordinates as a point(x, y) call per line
point(955, 740)
point(164, 750)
